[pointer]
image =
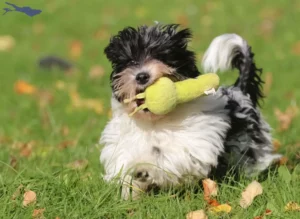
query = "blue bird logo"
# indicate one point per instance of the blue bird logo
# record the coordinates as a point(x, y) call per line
point(26, 10)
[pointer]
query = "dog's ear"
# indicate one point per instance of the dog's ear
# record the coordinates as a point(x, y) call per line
point(120, 46)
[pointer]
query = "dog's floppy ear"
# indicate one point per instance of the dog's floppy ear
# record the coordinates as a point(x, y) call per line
point(119, 47)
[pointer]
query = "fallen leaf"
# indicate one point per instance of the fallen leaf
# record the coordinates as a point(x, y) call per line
point(210, 188)
point(267, 212)
point(221, 208)
point(276, 144)
point(13, 162)
point(29, 198)
point(268, 82)
point(65, 131)
point(213, 202)
point(17, 192)
point(81, 103)
point(266, 28)
point(285, 118)
point(22, 87)
point(292, 206)
point(252, 190)
point(283, 160)
point(38, 213)
point(66, 144)
point(26, 148)
point(96, 71)
point(199, 214)
point(44, 98)
point(296, 48)
point(78, 164)
point(75, 49)
point(183, 20)
point(6, 43)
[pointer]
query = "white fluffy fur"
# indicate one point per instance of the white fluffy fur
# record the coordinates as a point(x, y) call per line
point(189, 142)
point(221, 51)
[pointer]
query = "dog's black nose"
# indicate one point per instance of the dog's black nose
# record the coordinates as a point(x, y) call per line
point(142, 78)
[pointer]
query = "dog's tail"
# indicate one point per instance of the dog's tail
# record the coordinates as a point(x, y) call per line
point(230, 51)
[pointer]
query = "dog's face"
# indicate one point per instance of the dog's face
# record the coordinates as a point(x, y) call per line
point(141, 56)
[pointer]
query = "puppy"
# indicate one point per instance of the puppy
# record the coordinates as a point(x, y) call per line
point(225, 129)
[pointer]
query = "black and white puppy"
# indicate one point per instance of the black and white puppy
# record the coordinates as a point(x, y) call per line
point(183, 146)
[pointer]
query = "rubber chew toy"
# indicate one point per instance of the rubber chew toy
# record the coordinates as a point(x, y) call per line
point(164, 95)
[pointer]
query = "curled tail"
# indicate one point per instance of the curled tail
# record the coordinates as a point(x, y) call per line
point(230, 51)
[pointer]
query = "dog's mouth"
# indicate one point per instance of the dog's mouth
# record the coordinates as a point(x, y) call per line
point(140, 102)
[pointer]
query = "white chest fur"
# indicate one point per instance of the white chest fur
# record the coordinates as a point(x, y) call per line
point(186, 142)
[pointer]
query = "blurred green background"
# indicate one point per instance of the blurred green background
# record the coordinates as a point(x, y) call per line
point(43, 133)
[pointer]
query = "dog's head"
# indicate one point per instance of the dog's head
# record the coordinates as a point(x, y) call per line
point(141, 56)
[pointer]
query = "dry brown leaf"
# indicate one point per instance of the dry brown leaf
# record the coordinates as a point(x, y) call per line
point(17, 192)
point(283, 160)
point(199, 214)
point(268, 82)
point(38, 213)
point(285, 118)
point(6, 43)
point(44, 98)
point(221, 208)
point(26, 148)
point(78, 102)
point(78, 164)
point(96, 71)
point(266, 28)
point(22, 87)
point(292, 206)
point(296, 48)
point(267, 212)
point(210, 188)
point(29, 198)
point(183, 20)
point(65, 131)
point(252, 190)
point(66, 144)
point(13, 162)
point(213, 202)
point(75, 49)
point(276, 144)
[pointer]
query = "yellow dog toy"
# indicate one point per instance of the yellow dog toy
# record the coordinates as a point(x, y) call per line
point(164, 95)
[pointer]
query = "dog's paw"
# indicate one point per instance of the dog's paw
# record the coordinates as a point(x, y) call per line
point(141, 175)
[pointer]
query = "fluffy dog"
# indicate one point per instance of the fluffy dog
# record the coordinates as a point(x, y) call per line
point(225, 129)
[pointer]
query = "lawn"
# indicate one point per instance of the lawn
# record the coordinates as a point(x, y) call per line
point(48, 137)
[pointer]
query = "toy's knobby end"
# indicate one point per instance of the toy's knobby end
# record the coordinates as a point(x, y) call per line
point(210, 91)
point(141, 107)
point(139, 96)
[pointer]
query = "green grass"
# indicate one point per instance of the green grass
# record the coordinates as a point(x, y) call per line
point(269, 26)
